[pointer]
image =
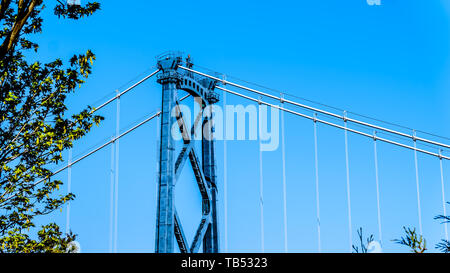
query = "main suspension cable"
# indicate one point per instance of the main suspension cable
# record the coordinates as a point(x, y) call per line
point(373, 126)
point(96, 149)
point(118, 95)
point(335, 125)
point(322, 104)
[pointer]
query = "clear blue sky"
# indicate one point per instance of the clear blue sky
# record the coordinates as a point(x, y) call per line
point(389, 62)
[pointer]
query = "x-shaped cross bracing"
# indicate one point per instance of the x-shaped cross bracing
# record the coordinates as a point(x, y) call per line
point(188, 151)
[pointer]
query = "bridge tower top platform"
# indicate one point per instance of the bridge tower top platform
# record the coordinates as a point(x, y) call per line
point(195, 85)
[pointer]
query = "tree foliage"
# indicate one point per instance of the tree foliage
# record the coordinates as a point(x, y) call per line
point(415, 242)
point(443, 245)
point(34, 128)
point(50, 240)
point(363, 246)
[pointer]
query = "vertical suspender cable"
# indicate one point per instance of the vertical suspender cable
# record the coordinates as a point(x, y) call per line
point(116, 189)
point(158, 153)
point(111, 198)
point(417, 186)
point(443, 194)
point(348, 184)
point(380, 237)
point(158, 157)
point(225, 177)
point(316, 163)
point(261, 192)
point(69, 185)
point(283, 152)
point(261, 200)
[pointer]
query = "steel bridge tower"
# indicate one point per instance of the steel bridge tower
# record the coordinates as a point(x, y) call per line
point(168, 225)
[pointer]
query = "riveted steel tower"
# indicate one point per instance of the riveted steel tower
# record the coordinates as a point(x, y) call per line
point(168, 225)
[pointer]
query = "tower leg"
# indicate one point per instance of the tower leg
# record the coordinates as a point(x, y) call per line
point(211, 239)
point(165, 209)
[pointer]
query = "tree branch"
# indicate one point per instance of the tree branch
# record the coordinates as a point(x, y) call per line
point(25, 10)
